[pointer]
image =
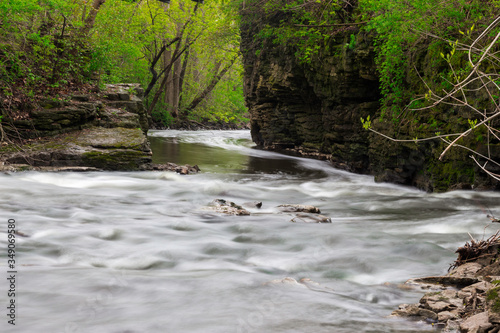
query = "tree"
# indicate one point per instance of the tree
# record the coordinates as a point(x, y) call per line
point(173, 50)
point(470, 86)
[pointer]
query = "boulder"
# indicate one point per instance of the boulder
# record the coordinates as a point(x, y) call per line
point(299, 208)
point(227, 207)
point(476, 323)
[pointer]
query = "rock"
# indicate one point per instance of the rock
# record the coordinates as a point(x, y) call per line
point(490, 270)
point(445, 300)
point(452, 326)
point(438, 306)
point(444, 316)
point(311, 218)
point(466, 270)
point(429, 314)
point(476, 323)
point(96, 148)
point(299, 208)
point(407, 310)
point(304, 213)
point(477, 288)
point(80, 98)
point(227, 207)
point(187, 169)
point(253, 204)
point(315, 110)
point(288, 281)
point(83, 134)
point(493, 316)
point(454, 281)
point(182, 169)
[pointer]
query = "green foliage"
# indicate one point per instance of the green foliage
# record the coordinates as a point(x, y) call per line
point(40, 48)
point(402, 26)
point(161, 115)
point(142, 28)
point(367, 124)
point(472, 123)
point(43, 49)
point(352, 42)
point(300, 23)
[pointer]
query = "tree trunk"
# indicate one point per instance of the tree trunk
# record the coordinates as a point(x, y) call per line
point(198, 99)
point(171, 91)
point(90, 19)
point(179, 50)
point(155, 76)
point(182, 74)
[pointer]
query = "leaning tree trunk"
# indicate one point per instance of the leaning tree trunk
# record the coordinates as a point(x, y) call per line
point(198, 99)
point(90, 19)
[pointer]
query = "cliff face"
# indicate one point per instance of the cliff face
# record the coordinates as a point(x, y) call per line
point(83, 133)
point(314, 110)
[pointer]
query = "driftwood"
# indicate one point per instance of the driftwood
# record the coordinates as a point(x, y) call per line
point(477, 250)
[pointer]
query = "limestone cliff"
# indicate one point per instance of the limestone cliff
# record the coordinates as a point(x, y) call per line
point(83, 132)
point(314, 109)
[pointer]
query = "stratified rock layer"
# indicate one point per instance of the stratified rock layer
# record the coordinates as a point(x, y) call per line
point(86, 132)
point(314, 109)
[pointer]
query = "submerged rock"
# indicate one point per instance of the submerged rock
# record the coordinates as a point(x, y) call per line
point(299, 208)
point(253, 204)
point(304, 213)
point(311, 218)
point(300, 213)
point(181, 169)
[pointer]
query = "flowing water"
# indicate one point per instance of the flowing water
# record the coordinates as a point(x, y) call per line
point(137, 252)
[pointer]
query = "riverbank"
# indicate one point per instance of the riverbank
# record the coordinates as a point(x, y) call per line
point(84, 132)
point(465, 300)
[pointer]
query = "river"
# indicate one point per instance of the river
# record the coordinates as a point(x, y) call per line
point(123, 252)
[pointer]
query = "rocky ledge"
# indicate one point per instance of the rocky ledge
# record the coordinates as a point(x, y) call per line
point(105, 131)
point(467, 299)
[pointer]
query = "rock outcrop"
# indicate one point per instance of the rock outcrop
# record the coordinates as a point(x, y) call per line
point(313, 109)
point(105, 131)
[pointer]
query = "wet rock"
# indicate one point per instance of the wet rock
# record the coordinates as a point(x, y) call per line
point(227, 207)
point(181, 169)
point(455, 281)
point(299, 208)
point(407, 310)
point(253, 204)
point(311, 218)
point(285, 281)
point(304, 282)
point(187, 169)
